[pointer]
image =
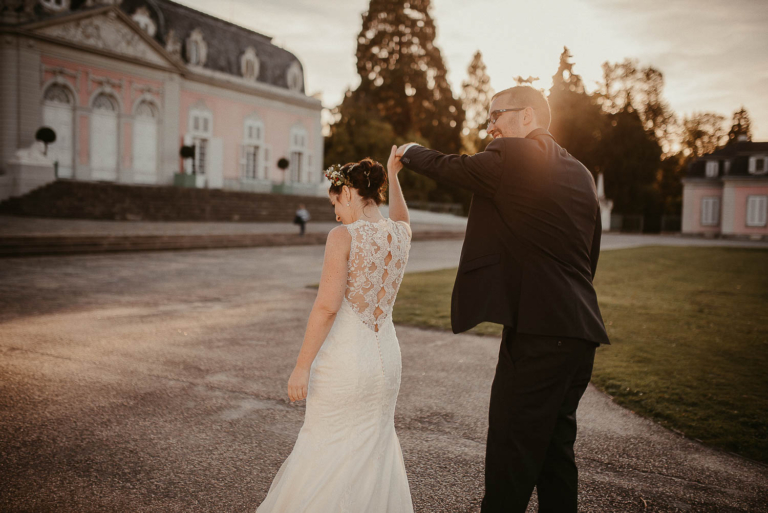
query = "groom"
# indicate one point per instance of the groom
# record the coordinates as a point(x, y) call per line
point(528, 260)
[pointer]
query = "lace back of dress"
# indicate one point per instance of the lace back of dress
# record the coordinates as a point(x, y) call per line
point(377, 260)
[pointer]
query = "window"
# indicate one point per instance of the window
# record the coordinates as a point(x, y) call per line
point(55, 5)
point(756, 210)
point(145, 142)
point(197, 49)
point(104, 147)
point(249, 64)
point(294, 77)
point(201, 130)
point(711, 169)
point(59, 114)
point(758, 165)
point(710, 211)
point(296, 168)
point(252, 151)
point(201, 151)
point(298, 154)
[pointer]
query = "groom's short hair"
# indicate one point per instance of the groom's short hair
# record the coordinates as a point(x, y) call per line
point(527, 96)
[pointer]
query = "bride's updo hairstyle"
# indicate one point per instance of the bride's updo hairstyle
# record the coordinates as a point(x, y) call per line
point(367, 176)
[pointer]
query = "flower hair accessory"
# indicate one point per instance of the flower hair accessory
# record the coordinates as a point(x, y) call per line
point(335, 175)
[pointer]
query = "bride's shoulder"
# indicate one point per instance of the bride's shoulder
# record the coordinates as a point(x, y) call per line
point(406, 227)
point(339, 235)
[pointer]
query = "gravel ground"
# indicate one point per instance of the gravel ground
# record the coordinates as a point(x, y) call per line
point(155, 382)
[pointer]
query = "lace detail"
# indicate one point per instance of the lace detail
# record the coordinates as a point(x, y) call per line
point(377, 259)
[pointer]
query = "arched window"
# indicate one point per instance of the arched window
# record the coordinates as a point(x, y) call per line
point(145, 134)
point(197, 49)
point(249, 64)
point(105, 153)
point(55, 5)
point(295, 77)
point(59, 114)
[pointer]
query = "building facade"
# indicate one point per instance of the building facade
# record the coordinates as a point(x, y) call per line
point(125, 84)
point(725, 193)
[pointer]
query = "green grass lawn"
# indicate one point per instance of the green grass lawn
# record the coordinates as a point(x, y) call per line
point(689, 337)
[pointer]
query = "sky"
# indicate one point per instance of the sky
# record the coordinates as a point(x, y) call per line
point(713, 53)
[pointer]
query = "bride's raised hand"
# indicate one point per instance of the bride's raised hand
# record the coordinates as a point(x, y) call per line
point(298, 384)
point(393, 164)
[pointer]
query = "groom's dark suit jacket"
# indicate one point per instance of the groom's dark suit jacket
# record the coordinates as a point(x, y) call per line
point(532, 240)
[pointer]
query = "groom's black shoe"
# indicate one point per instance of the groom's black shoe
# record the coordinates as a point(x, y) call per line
point(538, 384)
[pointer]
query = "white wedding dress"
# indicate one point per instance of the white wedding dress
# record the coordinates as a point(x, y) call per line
point(347, 457)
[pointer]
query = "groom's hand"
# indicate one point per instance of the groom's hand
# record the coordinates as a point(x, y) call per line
point(401, 150)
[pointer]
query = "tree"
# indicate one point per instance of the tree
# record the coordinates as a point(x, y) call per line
point(359, 132)
point(741, 126)
point(703, 133)
point(577, 120)
point(403, 96)
point(403, 75)
point(630, 157)
point(625, 83)
point(476, 93)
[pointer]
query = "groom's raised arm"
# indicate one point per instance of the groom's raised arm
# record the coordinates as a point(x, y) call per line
point(478, 173)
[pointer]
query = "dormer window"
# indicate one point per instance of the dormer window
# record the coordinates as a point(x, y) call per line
point(249, 64)
point(295, 77)
point(197, 49)
point(55, 5)
point(144, 20)
point(711, 169)
point(758, 165)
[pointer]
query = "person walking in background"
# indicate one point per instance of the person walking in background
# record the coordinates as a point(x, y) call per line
point(301, 218)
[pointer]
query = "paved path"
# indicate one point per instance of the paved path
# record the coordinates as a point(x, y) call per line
point(155, 382)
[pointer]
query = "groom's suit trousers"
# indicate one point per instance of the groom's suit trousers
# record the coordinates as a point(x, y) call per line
point(532, 422)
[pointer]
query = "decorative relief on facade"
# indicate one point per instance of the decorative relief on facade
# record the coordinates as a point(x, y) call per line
point(173, 44)
point(144, 20)
point(105, 32)
point(197, 49)
point(249, 64)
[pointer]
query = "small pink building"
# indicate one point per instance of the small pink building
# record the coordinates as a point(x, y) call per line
point(725, 193)
point(126, 83)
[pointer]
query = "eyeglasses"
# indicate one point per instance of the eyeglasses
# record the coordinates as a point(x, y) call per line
point(496, 113)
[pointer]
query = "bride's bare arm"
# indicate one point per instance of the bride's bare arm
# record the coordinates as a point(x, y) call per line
point(398, 210)
point(333, 282)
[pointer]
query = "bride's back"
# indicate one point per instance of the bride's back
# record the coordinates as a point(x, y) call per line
point(377, 258)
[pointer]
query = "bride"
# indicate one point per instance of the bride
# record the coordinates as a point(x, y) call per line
point(347, 457)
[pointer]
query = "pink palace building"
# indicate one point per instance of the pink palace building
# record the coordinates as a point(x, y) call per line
point(125, 84)
point(726, 192)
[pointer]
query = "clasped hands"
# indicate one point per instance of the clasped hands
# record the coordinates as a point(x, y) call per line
point(393, 164)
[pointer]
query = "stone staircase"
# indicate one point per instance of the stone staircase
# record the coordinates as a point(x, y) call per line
point(108, 201)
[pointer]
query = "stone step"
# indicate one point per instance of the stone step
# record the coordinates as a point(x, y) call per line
point(95, 200)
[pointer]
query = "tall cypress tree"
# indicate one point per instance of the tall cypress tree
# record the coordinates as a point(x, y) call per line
point(403, 75)
point(741, 126)
point(476, 93)
point(578, 123)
